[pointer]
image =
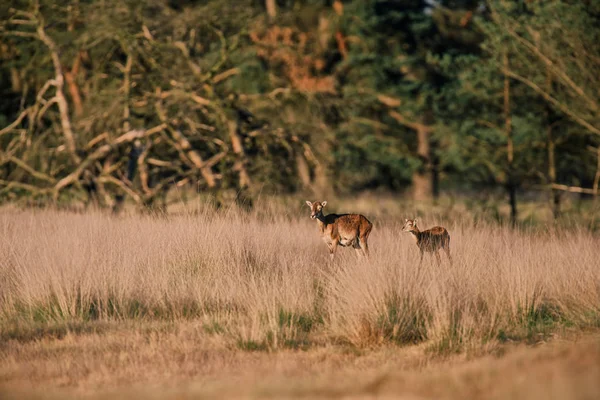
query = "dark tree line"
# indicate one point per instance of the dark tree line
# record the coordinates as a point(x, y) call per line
point(108, 100)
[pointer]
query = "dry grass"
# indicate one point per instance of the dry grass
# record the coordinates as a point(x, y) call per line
point(185, 363)
point(93, 300)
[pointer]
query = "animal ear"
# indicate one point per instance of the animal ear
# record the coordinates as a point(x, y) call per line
point(405, 219)
point(323, 203)
point(308, 203)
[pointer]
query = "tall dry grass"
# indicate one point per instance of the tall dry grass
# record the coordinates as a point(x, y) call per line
point(264, 280)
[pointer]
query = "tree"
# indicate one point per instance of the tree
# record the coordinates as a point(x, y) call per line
point(152, 99)
point(506, 127)
point(398, 60)
point(556, 46)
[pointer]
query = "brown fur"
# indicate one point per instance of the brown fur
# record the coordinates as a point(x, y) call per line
point(343, 229)
point(430, 240)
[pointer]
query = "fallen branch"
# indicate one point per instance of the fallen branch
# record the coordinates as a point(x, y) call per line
point(238, 149)
point(571, 189)
point(12, 184)
point(36, 174)
point(184, 145)
point(143, 169)
point(111, 179)
point(99, 153)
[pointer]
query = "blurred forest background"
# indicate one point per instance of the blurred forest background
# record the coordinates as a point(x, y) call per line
point(109, 101)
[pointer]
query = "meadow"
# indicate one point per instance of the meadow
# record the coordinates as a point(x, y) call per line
point(214, 301)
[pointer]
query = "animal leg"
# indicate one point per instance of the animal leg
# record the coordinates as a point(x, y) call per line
point(357, 244)
point(421, 260)
point(447, 250)
point(446, 246)
point(332, 249)
point(365, 245)
point(438, 259)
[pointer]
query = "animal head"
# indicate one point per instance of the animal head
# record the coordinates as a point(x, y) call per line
point(410, 225)
point(316, 208)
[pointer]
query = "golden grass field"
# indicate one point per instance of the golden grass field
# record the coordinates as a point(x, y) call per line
point(244, 305)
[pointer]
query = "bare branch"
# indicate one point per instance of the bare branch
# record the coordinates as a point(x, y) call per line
point(143, 168)
point(409, 124)
point(99, 153)
point(127, 90)
point(183, 144)
point(195, 68)
point(59, 83)
point(96, 140)
point(224, 75)
point(23, 165)
point(389, 100)
point(238, 149)
point(20, 34)
point(45, 108)
point(147, 33)
point(15, 123)
point(12, 184)
point(122, 185)
point(15, 21)
point(159, 163)
point(580, 120)
point(551, 65)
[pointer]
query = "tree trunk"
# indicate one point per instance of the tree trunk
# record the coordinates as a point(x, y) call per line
point(322, 179)
point(58, 83)
point(511, 184)
point(435, 177)
point(240, 164)
point(512, 199)
point(303, 171)
point(74, 92)
point(127, 92)
point(555, 194)
point(423, 177)
point(324, 34)
point(597, 178)
point(271, 9)
point(15, 80)
point(132, 166)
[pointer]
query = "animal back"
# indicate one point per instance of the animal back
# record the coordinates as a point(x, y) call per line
point(437, 230)
point(353, 224)
point(432, 239)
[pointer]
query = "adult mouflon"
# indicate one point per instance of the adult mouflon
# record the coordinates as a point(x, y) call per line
point(342, 229)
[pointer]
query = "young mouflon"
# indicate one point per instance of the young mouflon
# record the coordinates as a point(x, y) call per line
point(343, 229)
point(430, 240)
